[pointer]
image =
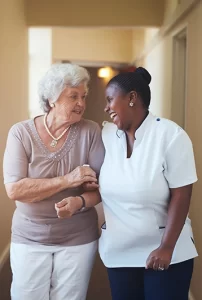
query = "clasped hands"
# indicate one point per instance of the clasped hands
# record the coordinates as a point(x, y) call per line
point(84, 176)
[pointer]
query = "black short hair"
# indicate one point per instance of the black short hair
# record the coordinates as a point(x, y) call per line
point(137, 81)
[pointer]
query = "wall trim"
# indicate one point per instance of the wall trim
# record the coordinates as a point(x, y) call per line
point(96, 64)
point(182, 10)
point(4, 256)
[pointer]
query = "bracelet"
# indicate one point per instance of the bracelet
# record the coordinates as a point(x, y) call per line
point(83, 203)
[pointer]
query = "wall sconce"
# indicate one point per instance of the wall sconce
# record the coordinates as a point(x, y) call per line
point(104, 72)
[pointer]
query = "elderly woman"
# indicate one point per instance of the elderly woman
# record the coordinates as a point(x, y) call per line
point(147, 242)
point(51, 159)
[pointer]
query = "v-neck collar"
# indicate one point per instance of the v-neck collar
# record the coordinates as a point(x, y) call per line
point(138, 134)
point(144, 126)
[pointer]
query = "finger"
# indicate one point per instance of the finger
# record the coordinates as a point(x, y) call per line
point(161, 265)
point(62, 212)
point(166, 266)
point(149, 263)
point(63, 209)
point(61, 203)
point(60, 216)
point(92, 185)
point(161, 268)
point(156, 264)
point(87, 187)
point(89, 179)
point(90, 189)
point(88, 171)
point(56, 208)
point(63, 215)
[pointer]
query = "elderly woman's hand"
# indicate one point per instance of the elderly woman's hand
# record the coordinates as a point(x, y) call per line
point(90, 186)
point(160, 259)
point(81, 175)
point(68, 207)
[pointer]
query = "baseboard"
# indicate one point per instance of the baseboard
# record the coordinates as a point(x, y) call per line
point(4, 256)
point(191, 297)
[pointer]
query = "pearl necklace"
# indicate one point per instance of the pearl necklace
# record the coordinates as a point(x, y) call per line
point(55, 140)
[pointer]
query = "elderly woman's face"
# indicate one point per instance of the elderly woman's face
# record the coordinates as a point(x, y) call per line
point(72, 103)
point(118, 107)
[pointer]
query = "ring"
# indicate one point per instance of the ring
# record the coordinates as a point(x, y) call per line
point(160, 268)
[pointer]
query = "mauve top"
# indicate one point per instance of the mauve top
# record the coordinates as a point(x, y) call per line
point(27, 156)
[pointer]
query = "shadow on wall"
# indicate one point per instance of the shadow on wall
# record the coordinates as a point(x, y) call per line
point(99, 286)
point(5, 281)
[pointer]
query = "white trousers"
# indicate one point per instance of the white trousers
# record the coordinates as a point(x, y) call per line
point(51, 272)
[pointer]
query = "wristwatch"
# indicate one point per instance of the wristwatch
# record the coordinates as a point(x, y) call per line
point(83, 203)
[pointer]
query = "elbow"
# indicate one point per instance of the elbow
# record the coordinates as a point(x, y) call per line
point(11, 191)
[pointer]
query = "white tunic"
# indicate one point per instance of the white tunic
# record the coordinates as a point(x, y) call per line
point(135, 191)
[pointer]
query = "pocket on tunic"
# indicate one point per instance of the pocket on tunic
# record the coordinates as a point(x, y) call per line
point(104, 226)
point(161, 219)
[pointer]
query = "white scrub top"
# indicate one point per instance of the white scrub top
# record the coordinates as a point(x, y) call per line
point(135, 191)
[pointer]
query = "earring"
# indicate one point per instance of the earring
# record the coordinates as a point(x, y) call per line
point(52, 105)
point(131, 104)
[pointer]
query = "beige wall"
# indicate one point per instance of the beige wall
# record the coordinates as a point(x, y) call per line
point(111, 45)
point(94, 13)
point(170, 7)
point(98, 44)
point(159, 63)
point(138, 42)
point(96, 100)
point(141, 39)
point(13, 90)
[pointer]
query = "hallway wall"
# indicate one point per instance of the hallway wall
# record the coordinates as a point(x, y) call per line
point(13, 91)
point(94, 13)
point(159, 62)
point(92, 44)
point(96, 100)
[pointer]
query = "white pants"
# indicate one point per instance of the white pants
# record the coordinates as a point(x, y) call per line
point(51, 272)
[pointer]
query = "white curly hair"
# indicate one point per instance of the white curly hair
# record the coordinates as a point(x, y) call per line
point(58, 77)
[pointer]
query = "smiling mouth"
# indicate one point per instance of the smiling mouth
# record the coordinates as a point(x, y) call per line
point(113, 115)
point(78, 112)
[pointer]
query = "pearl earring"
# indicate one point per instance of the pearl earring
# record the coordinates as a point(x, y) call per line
point(52, 104)
point(131, 104)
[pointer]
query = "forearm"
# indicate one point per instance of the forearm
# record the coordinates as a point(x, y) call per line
point(69, 206)
point(177, 213)
point(30, 190)
point(92, 198)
